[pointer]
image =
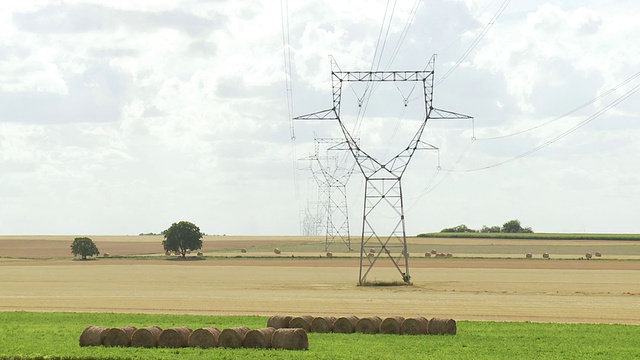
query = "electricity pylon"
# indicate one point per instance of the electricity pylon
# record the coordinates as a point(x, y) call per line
point(332, 179)
point(383, 180)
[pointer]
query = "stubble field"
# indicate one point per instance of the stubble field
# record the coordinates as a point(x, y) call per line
point(485, 280)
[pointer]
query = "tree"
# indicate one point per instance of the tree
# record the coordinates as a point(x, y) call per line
point(85, 247)
point(458, 229)
point(182, 236)
point(492, 229)
point(513, 226)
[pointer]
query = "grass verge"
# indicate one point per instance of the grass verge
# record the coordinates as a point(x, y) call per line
point(26, 335)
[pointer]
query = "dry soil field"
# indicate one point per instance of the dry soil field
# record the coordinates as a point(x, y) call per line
point(485, 280)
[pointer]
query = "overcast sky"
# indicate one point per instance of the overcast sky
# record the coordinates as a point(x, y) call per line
point(121, 117)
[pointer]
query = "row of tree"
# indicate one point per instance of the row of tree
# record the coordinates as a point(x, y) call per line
point(179, 237)
point(511, 226)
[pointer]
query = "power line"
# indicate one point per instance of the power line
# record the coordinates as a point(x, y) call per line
point(475, 43)
point(596, 115)
point(590, 102)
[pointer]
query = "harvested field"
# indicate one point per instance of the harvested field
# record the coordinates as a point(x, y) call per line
point(594, 291)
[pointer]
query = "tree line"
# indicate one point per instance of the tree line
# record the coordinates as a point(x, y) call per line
point(511, 226)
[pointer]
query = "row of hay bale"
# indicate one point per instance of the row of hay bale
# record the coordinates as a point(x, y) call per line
point(438, 254)
point(547, 256)
point(207, 337)
point(367, 325)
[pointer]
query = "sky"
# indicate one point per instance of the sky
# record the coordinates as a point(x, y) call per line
point(122, 117)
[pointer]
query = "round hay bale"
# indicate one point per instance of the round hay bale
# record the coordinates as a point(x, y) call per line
point(93, 335)
point(588, 255)
point(372, 251)
point(206, 337)
point(433, 252)
point(290, 339)
point(301, 322)
point(233, 337)
point(414, 326)
point(259, 338)
point(545, 255)
point(188, 252)
point(105, 255)
point(438, 326)
point(176, 337)
point(391, 325)
point(146, 337)
point(427, 254)
point(279, 321)
point(598, 254)
point(371, 255)
point(200, 254)
point(119, 336)
point(167, 253)
point(529, 256)
point(277, 251)
point(345, 325)
point(329, 254)
point(368, 325)
point(243, 250)
point(449, 255)
point(323, 324)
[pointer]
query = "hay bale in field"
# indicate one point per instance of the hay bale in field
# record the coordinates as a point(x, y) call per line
point(438, 326)
point(322, 324)
point(93, 335)
point(146, 337)
point(372, 251)
point(529, 256)
point(206, 337)
point(433, 252)
point(301, 322)
point(371, 255)
point(259, 338)
point(368, 325)
point(329, 254)
point(391, 325)
point(545, 255)
point(243, 250)
point(277, 251)
point(176, 253)
point(176, 337)
point(345, 325)
point(449, 255)
point(427, 254)
point(290, 339)
point(188, 252)
point(200, 254)
point(119, 336)
point(232, 337)
point(598, 254)
point(588, 255)
point(414, 326)
point(279, 321)
point(105, 255)
point(167, 253)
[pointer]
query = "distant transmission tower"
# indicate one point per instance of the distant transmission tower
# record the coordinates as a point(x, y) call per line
point(331, 178)
point(383, 186)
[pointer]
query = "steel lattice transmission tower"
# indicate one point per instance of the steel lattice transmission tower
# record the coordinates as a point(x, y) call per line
point(383, 180)
point(332, 178)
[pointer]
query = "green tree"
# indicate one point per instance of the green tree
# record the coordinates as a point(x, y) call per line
point(513, 226)
point(182, 236)
point(458, 229)
point(492, 229)
point(84, 247)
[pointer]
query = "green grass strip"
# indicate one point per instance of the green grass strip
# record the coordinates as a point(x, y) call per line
point(27, 335)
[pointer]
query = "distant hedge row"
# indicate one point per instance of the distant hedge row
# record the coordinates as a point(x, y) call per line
point(533, 236)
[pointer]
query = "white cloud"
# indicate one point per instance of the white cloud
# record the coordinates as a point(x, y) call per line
point(131, 115)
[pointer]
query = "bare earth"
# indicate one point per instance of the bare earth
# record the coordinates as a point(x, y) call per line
point(596, 291)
